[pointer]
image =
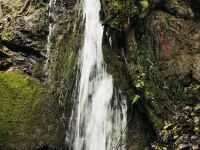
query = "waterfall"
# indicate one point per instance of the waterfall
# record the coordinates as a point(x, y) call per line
point(51, 7)
point(101, 111)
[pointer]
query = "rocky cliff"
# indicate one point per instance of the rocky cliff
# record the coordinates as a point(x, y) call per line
point(151, 47)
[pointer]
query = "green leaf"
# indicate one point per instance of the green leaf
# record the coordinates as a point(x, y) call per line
point(140, 84)
point(135, 99)
point(144, 3)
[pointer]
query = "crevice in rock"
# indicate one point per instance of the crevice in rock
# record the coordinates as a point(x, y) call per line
point(43, 147)
point(195, 8)
point(5, 65)
point(18, 48)
point(3, 55)
point(69, 4)
point(139, 127)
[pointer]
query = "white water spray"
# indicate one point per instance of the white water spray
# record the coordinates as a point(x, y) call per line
point(101, 116)
point(51, 6)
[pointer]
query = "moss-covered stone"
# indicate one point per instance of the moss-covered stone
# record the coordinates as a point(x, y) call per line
point(28, 117)
point(117, 12)
point(62, 66)
point(116, 68)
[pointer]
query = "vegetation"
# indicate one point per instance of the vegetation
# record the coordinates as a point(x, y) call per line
point(144, 41)
point(23, 106)
point(119, 11)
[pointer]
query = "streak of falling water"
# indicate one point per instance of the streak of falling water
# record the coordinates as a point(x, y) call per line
point(51, 6)
point(101, 113)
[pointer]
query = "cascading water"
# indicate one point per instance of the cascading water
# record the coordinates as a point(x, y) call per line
point(51, 29)
point(101, 113)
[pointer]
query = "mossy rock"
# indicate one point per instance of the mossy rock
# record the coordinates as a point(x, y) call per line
point(118, 11)
point(28, 118)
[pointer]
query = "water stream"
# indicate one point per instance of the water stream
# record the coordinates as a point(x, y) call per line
point(51, 7)
point(101, 111)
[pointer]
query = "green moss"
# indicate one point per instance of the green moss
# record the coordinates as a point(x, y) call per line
point(63, 66)
point(115, 67)
point(157, 122)
point(150, 91)
point(118, 11)
point(26, 116)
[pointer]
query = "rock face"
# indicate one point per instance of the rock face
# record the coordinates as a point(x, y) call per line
point(23, 44)
point(179, 8)
point(176, 44)
point(23, 33)
point(155, 60)
point(152, 49)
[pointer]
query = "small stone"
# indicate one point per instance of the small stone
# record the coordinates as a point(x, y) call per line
point(175, 137)
point(179, 129)
point(197, 107)
point(193, 138)
point(183, 138)
point(190, 121)
point(196, 120)
point(183, 146)
point(186, 108)
point(192, 114)
point(195, 147)
point(175, 117)
point(167, 126)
